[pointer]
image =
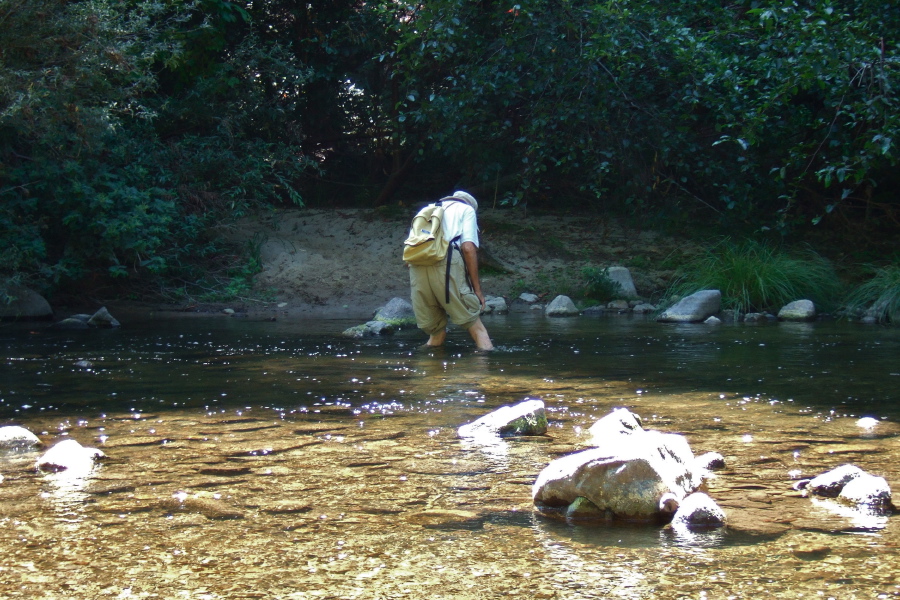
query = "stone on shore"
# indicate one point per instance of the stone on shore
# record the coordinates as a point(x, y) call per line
point(693, 309)
point(798, 310)
point(622, 276)
point(562, 306)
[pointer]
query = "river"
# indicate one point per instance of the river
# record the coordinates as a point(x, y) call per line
point(280, 460)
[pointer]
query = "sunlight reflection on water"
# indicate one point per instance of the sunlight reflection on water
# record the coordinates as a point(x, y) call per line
point(283, 440)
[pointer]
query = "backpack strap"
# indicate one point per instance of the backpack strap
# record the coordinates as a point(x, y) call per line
point(449, 260)
point(450, 248)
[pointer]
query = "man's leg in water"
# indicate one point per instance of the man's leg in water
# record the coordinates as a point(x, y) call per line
point(437, 339)
point(479, 333)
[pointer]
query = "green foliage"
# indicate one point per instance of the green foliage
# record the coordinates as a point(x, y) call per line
point(586, 285)
point(598, 285)
point(761, 114)
point(879, 296)
point(130, 130)
point(755, 276)
point(105, 173)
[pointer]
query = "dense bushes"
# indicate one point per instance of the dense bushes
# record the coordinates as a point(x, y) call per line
point(104, 174)
point(129, 130)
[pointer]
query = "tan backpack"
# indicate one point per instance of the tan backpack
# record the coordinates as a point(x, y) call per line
point(426, 244)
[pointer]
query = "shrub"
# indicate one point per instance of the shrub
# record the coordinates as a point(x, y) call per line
point(880, 296)
point(756, 276)
point(598, 285)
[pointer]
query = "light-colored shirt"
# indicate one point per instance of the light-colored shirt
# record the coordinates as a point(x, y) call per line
point(459, 219)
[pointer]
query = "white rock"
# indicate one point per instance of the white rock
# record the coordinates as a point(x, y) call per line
point(68, 454)
point(524, 418)
point(698, 511)
point(14, 436)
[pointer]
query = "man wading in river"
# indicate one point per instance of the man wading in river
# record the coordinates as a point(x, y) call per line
point(449, 286)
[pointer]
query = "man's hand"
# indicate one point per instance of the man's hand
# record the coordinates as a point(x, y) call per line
point(470, 257)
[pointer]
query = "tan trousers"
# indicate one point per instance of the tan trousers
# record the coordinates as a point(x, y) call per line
point(428, 291)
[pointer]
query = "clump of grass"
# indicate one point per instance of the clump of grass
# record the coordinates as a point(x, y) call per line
point(755, 276)
point(879, 297)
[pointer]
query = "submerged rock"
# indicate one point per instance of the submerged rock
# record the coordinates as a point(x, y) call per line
point(369, 329)
point(525, 418)
point(210, 508)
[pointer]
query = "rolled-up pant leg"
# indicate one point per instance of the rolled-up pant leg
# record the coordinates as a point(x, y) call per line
point(429, 299)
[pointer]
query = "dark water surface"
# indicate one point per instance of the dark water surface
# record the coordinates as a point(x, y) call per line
point(280, 460)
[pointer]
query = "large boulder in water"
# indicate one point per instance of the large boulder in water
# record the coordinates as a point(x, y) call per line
point(693, 309)
point(102, 318)
point(868, 492)
point(626, 477)
point(495, 305)
point(17, 302)
point(851, 485)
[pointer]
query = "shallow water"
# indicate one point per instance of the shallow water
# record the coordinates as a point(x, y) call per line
point(279, 460)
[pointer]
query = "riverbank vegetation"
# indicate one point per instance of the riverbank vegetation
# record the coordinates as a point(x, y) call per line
point(757, 277)
point(130, 132)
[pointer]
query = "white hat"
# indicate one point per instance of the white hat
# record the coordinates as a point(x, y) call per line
point(468, 198)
